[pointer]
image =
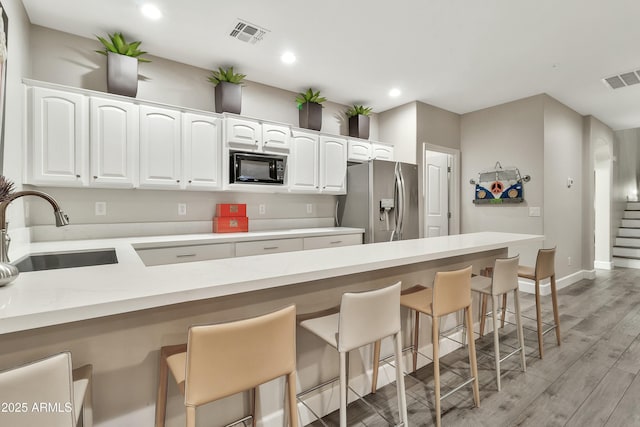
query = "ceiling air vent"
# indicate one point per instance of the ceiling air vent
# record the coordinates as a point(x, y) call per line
point(248, 32)
point(623, 80)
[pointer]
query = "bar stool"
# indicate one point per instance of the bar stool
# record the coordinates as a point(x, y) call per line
point(451, 292)
point(224, 359)
point(504, 280)
point(544, 269)
point(48, 381)
point(364, 318)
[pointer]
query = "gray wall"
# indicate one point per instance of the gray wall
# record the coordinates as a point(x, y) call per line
point(398, 126)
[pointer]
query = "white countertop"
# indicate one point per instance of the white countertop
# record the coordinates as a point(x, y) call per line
point(52, 297)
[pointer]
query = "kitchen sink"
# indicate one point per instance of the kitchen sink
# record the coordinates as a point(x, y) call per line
point(55, 260)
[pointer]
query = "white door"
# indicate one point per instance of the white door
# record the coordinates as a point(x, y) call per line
point(333, 165)
point(382, 151)
point(243, 134)
point(58, 137)
point(303, 166)
point(159, 148)
point(359, 150)
point(201, 155)
point(437, 194)
point(275, 137)
point(114, 143)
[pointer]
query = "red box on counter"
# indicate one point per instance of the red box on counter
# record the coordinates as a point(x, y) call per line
point(231, 209)
point(230, 224)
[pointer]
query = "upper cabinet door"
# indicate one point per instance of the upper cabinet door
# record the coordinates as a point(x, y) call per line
point(382, 151)
point(303, 167)
point(244, 134)
point(201, 155)
point(333, 165)
point(160, 148)
point(114, 143)
point(57, 136)
point(359, 150)
point(275, 137)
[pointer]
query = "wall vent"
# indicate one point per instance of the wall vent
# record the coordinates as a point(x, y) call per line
point(623, 80)
point(248, 32)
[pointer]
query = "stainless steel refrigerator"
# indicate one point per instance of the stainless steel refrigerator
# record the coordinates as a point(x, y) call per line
point(382, 198)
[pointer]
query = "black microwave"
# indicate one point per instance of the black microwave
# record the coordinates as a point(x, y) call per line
point(256, 168)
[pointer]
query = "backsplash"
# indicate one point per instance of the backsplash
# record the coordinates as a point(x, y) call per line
point(151, 212)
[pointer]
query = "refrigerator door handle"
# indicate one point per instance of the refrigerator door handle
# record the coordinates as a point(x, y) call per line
point(396, 198)
point(335, 214)
point(401, 203)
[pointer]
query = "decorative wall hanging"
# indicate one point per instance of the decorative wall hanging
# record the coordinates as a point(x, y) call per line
point(499, 185)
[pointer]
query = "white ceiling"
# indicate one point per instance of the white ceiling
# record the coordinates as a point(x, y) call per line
point(460, 55)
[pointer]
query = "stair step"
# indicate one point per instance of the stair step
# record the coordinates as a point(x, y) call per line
point(628, 232)
point(626, 262)
point(633, 214)
point(629, 242)
point(631, 223)
point(626, 252)
point(633, 206)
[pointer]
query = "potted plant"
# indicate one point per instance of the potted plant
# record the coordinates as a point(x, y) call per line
point(310, 106)
point(228, 90)
point(359, 121)
point(122, 64)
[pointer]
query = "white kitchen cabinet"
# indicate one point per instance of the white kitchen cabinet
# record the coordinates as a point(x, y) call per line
point(243, 134)
point(333, 164)
point(57, 135)
point(321, 242)
point(113, 143)
point(382, 151)
point(160, 148)
point(201, 143)
point(275, 138)
point(304, 164)
point(359, 150)
point(262, 247)
point(187, 253)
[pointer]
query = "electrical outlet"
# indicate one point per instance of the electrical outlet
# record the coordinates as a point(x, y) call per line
point(309, 208)
point(534, 211)
point(101, 208)
point(262, 208)
point(182, 209)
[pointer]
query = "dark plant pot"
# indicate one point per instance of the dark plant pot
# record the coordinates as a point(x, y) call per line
point(228, 97)
point(311, 116)
point(122, 74)
point(359, 126)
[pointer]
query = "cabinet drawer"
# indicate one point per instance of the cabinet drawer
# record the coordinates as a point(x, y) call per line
point(332, 241)
point(178, 254)
point(268, 247)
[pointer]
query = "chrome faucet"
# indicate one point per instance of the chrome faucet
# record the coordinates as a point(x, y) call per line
point(61, 218)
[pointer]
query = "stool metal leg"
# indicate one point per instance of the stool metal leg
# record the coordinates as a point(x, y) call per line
point(539, 320)
point(496, 337)
point(343, 389)
point(554, 300)
point(504, 309)
point(416, 334)
point(435, 338)
point(402, 398)
point(516, 300)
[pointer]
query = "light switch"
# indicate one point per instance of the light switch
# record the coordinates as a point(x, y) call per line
point(534, 211)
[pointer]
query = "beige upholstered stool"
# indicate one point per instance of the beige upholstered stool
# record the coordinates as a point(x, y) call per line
point(504, 280)
point(544, 269)
point(47, 382)
point(451, 292)
point(364, 318)
point(224, 359)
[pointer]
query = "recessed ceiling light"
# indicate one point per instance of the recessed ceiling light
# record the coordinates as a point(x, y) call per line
point(151, 11)
point(288, 58)
point(394, 92)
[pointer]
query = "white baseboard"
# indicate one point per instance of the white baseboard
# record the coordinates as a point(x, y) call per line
point(528, 286)
point(603, 265)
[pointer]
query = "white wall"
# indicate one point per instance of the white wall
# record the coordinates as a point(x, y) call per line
point(563, 133)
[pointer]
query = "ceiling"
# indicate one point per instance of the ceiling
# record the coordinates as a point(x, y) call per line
point(460, 55)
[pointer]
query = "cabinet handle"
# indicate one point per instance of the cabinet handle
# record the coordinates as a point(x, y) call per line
point(189, 181)
point(185, 255)
point(335, 242)
point(95, 177)
point(177, 180)
point(270, 247)
point(77, 176)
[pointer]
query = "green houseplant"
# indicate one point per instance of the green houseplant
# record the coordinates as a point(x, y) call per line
point(359, 121)
point(310, 106)
point(122, 64)
point(228, 90)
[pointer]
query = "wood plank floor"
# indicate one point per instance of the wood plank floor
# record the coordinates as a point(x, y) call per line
point(590, 380)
